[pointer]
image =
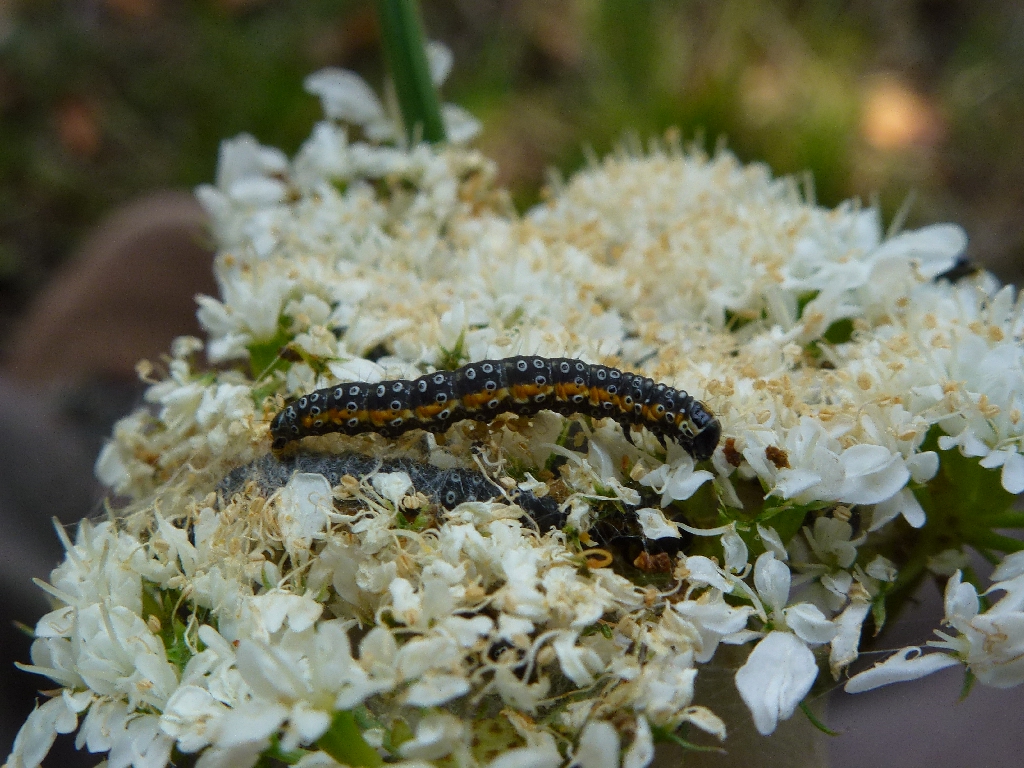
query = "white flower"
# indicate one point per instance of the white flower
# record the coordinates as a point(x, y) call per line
point(36, 736)
point(676, 483)
point(903, 503)
point(345, 96)
point(271, 610)
point(907, 664)
point(655, 525)
point(579, 663)
point(118, 655)
point(640, 753)
point(989, 643)
point(775, 678)
point(436, 735)
point(781, 669)
point(393, 486)
point(598, 748)
point(303, 508)
point(665, 688)
point(140, 744)
point(192, 716)
point(711, 619)
point(820, 469)
point(830, 540)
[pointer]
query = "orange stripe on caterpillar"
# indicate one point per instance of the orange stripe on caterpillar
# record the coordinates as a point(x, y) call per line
point(483, 390)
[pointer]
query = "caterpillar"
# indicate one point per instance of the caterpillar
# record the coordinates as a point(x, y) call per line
point(480, 391)
point(445, 487)
point(621, 533)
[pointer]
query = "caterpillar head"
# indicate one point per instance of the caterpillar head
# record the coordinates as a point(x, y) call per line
point(708, 432)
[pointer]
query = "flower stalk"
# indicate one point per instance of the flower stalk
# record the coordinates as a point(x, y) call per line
point(401, 30)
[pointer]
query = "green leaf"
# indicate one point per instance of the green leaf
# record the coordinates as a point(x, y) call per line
point(840, 332)
point(404, 49)
point(452, 358)
point(265, 356)
point(345, 743)
point(963, 502)
point(803, 300)
point(969, 681)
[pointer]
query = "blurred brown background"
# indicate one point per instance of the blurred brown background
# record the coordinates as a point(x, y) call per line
point(111, 110)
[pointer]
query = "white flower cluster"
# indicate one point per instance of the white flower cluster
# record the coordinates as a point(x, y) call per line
point(245, 625)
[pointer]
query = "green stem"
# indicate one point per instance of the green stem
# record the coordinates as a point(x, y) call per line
point(404, 49)
point(992, 540)
point(345, 743)
point(1005, 520)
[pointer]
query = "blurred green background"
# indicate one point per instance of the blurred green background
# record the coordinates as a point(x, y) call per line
point(922, 101)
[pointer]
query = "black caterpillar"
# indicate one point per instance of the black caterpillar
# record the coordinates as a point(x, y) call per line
point(481, 391)
point(445, 487)
point(620, 531)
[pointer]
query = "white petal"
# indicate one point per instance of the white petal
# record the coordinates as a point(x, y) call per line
point(439, 61)
point(527, 757)
point(735, 551)
point(846, 644)
point(881, 568)
point(934, 248)
point(36, 736)
point(903, 503)
point(393, 486)
point(655, 525)
point(459, 125)
point(577, 662)
point(923, 466)
point(317, 760)
point(810, 624)
point(961, 599)
point(252, 722)
point(303, 506)
point(793, 482)
point(433, 690)
point(873, 474)
point(680, 487)
point(345, 96)
point(700, 570)
point(310, 724)
point(437, 735)
point(1013, 473)
point(242, 756)
point(775, 678)
point(706, 720)
point(641, 751)
point(1011, 567)
point(599, 746)
point(772, 542)
point(994, 459)
point(772, 580)
point(898, 669)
